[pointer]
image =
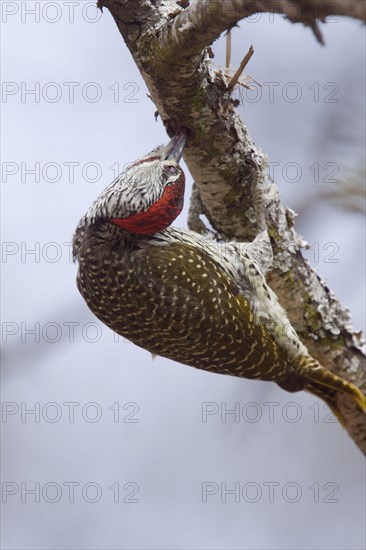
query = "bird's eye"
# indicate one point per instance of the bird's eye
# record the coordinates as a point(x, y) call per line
point(170, 169)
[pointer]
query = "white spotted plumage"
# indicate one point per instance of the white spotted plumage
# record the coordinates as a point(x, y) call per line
point(183, 296)
point(246, 263)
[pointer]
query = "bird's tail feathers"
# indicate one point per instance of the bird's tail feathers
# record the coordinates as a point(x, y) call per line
point(325, 384)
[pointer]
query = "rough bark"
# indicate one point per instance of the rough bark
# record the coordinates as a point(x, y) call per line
point(168, 43)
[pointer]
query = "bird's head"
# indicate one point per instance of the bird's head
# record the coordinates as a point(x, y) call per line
point(148, 196)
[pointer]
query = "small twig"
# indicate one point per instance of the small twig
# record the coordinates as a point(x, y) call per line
point(228, 74)
point(242, 66)
point(253, 80)
point(100, 5)
point(194, 212)
point(317, 32)
point(228, 50)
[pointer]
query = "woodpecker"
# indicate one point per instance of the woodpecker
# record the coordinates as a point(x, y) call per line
point(180, 295)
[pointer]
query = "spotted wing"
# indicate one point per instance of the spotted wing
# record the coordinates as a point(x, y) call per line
point(196, 314)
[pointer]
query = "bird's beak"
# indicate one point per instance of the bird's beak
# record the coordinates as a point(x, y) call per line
point(175, 147)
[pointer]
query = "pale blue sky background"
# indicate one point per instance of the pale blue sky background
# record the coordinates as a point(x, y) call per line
point(169, 453)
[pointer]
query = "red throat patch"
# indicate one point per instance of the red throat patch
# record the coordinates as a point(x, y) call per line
point(160, 215)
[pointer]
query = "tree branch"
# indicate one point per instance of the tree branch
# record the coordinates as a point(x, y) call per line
point(237, 196)
point(194, 31)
